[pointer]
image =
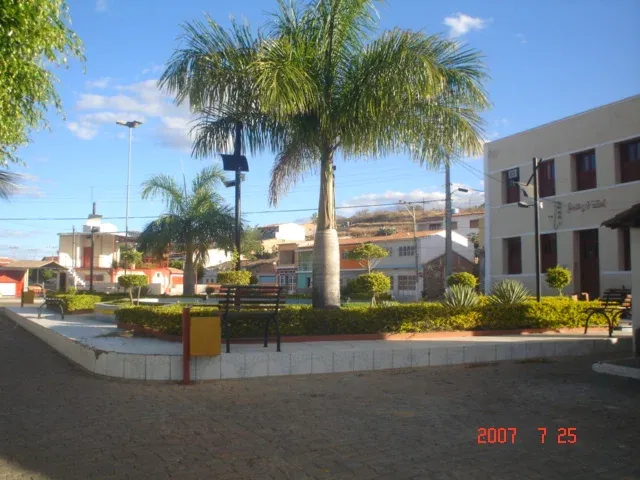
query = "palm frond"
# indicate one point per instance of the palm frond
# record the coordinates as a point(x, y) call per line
point(8, 184)
point(167, 188)
point(207, 180)
point(291, 166)
point(157, 235)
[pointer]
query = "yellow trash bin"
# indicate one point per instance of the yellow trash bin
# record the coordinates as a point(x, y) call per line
point(28, 297)
point(206, 336)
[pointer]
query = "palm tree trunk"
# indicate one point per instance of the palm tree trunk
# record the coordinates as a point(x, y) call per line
point(189, 281)
point(326, 254)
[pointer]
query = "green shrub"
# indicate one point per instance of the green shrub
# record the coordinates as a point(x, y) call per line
point(462, 278)
point(460, 296)
point(558, 278)
point(234, 277)
point(209, 289)
point(77, 302)
point(72, 290)
point(508, 292)
point(552, 312)
point(373, 285)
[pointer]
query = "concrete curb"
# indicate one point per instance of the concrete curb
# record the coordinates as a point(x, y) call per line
point(257, 364)
point(618, 370)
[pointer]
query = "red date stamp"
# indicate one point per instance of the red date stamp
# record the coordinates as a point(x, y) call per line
point(504, 435)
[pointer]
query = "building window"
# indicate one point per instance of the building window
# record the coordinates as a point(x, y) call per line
point(435, 226)
point(344, 255)
point(629, 155)
point(513, 250)
point(407, 251)
point(407, 282)
point(625, 249)
point(475, 223)
point(510, 179)
point(548, 251)
point(96, 278)
point(547, 178)
point(585, 168)
point(454, 225)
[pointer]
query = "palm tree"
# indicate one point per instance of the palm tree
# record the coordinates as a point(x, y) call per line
point(316, 87)
point(8, 184)
point(193, 222)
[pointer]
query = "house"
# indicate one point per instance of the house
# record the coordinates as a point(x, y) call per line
point(274, 235)
point(97, 248)
point(14, 276)
point(462, 223)
point(590, 171)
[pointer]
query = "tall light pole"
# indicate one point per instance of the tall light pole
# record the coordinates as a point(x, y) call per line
point(412, 212)
point(130, 125)
point(532, 191)
point(448, 244)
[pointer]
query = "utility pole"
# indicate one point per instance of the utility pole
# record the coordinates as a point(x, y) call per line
point(536, 210)
point(448, 247)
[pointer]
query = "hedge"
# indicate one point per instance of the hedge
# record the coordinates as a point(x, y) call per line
point(76, 302)
point(403, 318)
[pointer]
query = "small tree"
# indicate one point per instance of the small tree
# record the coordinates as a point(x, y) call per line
point(368, 255)
point(372, 284)
point(462, 278)
point(385, 231)
point(129, 282)
point(558, 278)
point(129, 257)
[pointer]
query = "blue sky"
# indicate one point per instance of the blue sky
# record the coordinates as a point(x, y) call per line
point(547, 59)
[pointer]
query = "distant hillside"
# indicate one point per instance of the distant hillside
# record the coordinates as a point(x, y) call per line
point(366, 223)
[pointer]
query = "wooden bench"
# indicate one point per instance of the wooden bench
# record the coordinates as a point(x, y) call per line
point(617, 302)
point(242, 301)
point(53, 302)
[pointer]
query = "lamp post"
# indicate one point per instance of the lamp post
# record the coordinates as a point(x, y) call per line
point(412, 212)
point(532, 191)
point(130, 125)
point(275, 273)
point(236, 163)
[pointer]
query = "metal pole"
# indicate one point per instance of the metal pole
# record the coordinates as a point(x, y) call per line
point(448, 247)
point(126, 221)
point(186, 346)
point(415, 246)
point(237, 149)
point(536, 209)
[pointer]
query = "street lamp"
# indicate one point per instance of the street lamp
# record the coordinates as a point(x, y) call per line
point(94, 230)
point(130, 125)
point(275, 272)
point(236, 163)
point(532, 191)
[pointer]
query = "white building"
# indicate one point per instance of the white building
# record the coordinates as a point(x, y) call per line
point(462, 223)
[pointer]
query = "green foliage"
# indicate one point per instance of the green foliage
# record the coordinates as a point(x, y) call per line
point(254, 280)
point(72, 290)
point(372, 284)
point(130, 282)
point(475, 239)
point(386, 231)
point(209, 289)
point(179, 264)
point(462, 278)
point(460, 296)
point(551, 313)
point(315, 86)
point(34, 37)
point(558, 277)
point(195, 219)
point(250, 244)
point(9, 183)
point(368, 255)
point(75, 303)
point(234, 277)
point(129, 257)
point(508, 292)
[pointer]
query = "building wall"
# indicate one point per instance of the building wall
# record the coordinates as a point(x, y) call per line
point(217, 256)
point(290, 232)
point(568, 211)
point(462, 224)
point(105, 249)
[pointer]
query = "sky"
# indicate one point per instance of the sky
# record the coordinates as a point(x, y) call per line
point(547, 59)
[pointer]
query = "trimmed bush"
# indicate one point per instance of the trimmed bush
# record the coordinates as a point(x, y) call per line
point(462, 278)
point(133, 281)
point(373, 285)
point(234, 277)
point(459, 295)
point(405, 318)
point(78, 302)
point(558, 278)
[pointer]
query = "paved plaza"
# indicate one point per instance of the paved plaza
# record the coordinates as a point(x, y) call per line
point(60, 422)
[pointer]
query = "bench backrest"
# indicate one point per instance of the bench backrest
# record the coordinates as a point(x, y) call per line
point(251, 297)
point(617, 296)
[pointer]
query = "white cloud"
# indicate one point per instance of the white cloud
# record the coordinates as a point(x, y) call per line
point(174, 132)
point(102, 6)
point(459, 24)
point(434, 200)
point(152, 69)
point(504, 122)
point(99, 82)
point(84, 131)
point(521, 37)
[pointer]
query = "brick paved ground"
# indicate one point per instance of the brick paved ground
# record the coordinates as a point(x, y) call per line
point(62, 423)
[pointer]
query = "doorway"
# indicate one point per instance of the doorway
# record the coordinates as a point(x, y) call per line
point(86, 257)
point(589, 260)
point(63, 281)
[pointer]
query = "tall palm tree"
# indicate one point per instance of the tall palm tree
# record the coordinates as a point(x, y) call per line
point(320, 87)
point(8, 184)
point(194, 220)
